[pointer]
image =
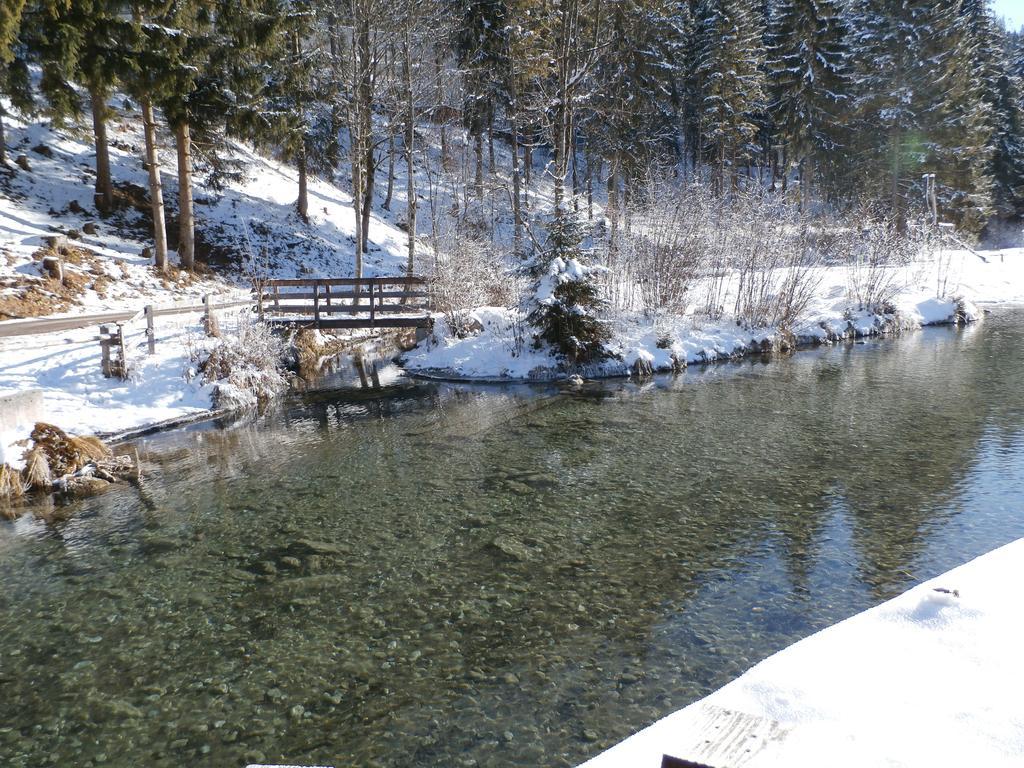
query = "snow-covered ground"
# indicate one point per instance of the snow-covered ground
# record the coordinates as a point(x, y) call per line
point(65, 367)
point(502, 348)
point(253, 215)
point(930, 678)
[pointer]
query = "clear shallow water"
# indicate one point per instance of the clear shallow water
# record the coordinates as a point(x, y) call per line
point(449, 576)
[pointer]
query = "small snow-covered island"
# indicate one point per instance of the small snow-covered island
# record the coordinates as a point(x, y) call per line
point(449, 383)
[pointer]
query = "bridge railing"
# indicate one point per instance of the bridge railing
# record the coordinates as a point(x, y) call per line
point(344, 302)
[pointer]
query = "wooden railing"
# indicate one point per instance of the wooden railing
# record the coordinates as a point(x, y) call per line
point(346, 302)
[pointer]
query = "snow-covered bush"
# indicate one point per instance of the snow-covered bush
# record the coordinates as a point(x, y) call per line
point(663, 250)
point(875, 251)
point(770, 244)
point(468, 273)
point(245, 364)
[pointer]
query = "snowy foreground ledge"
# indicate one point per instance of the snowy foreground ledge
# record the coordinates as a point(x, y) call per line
point(925, 679)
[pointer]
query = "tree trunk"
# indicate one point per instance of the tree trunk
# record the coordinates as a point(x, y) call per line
point(156, 193)
point(490, 139)
point(357, 205)
point(302, 204)
point(410, 143)
point(896, 170)
point(527, 168)
point(575, 172)
point(3, 139)
point(104, 198)
point(334, 41)
point(391, 173)
point(517, 212)
point(439, 103)
point(186, 217)
point(361, 126)
point(478, 151)
point(590, 185)
point(613, 207)
point(366, 118)
point(370, 171)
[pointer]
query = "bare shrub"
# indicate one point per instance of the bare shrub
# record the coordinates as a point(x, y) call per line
point(11, 486)
point(771, 247)
point(246, 365)
point(877, 255)
point(688, 249)
point(664, 248)
point(468, 273)
point(37, 470)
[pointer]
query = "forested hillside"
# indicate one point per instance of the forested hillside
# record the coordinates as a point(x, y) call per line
point(835, 101)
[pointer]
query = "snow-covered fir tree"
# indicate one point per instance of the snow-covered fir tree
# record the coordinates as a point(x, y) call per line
point(565, 301)
point(730, 83)
point(809, 85)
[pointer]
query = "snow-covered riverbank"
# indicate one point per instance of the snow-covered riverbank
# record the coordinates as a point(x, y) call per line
point(65, 368)
point(929, 678)
point(501, 349)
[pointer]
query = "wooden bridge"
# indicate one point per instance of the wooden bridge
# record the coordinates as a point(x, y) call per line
point(346, 302)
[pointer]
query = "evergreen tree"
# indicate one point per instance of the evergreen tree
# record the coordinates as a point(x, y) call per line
point(963, 134)
point(730, 83)
point(299, 119)
point(1008, 134)
point(81, 43)
point(897, 81)
point(809, 84)
point(10, 23)
point(633, 115)
point(566, 298)
point(158, 73)
point(481, 44)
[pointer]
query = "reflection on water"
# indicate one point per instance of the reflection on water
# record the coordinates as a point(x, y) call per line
point(482, 576)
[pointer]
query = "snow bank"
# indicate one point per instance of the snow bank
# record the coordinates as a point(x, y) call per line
point(65, 367)
point(502, 349)
point(929, 678)
point(497, 351)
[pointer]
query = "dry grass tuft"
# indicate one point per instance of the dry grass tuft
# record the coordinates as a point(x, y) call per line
point(64, 453)
point(37, 471)
point(11, 487)
point(90, 446)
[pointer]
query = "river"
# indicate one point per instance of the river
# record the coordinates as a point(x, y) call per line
point(442, 575)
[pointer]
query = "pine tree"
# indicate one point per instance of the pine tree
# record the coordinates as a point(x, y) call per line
point(1008, 133)
point(566, 298)
point(633, 115)
point(295, 117)
point(730, 83)
point(898, 69)
point(480, 45)
point(157, 74)
point(963, 136)
point(10, 23)
point(81, 43)
point(809, 84)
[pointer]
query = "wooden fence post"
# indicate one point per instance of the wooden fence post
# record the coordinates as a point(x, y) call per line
point(150, 330)
point(105, 350)
point(122, 353)
point(371, 304)
point(316, 303)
